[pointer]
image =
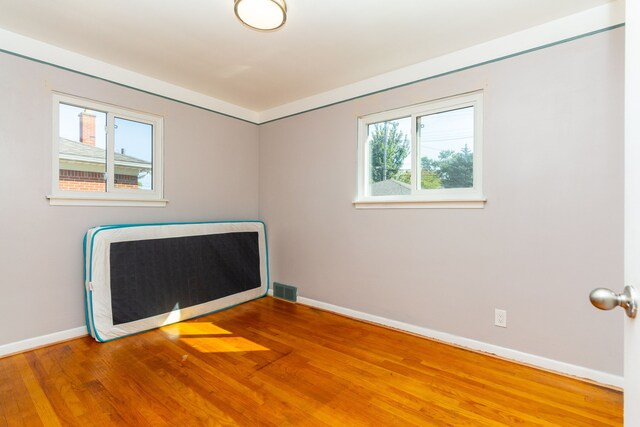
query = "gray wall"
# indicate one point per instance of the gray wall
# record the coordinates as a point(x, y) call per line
point(552, 228)
point(211, 173)
point(550, 232)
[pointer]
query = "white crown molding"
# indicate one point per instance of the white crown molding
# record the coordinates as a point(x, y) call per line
point(503, 352)
point(49, 54)
point(579, 24)
point(592, 20)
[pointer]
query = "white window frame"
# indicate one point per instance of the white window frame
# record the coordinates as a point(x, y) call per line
point(419, 198)
point(112, 196)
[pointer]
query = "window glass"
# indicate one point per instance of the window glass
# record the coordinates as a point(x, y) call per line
point(133, 143)
point(390, 157)
point(446, 149)
point(81, 149)
point(424, 155)
point(105, 155)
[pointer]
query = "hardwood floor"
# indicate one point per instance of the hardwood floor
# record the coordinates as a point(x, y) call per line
point(273, 363)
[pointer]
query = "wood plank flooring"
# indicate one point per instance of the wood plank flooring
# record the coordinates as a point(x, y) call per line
point(272, 363)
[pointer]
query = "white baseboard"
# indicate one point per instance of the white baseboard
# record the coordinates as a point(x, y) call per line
point(33, 343)
point(507, 353)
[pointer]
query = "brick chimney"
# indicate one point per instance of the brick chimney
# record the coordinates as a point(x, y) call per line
point(87, 128)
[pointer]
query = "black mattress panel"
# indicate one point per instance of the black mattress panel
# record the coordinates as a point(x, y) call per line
point(151, 277)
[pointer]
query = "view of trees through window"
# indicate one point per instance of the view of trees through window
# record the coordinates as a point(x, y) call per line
point(390, 149)
point(445, 144)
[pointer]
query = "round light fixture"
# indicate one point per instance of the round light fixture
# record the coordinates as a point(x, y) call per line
point(261, 15)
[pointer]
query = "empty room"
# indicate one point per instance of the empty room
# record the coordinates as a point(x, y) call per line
point(319, 213)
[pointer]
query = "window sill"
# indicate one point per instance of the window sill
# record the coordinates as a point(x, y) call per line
point(418, 203)
point(101, 201)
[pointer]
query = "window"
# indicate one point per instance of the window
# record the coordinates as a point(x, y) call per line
point(105, 155)
point(426, 155)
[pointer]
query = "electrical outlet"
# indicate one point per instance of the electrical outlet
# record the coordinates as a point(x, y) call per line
point(500, 318)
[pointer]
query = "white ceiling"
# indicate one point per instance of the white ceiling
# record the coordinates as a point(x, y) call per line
point(325, 44)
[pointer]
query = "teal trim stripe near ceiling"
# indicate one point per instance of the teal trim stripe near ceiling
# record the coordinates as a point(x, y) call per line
point(479, 64)
point(502, 58)
point(124, 85)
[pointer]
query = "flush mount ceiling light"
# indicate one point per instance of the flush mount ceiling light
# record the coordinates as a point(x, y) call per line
point(261, 15)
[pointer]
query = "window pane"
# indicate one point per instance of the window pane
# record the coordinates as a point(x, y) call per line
point(446, 149)
point(81, 149)
point(390, 157)
point(133, 148)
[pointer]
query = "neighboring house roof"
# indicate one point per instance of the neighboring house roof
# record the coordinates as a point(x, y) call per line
point(390, 187)
point(77, 151)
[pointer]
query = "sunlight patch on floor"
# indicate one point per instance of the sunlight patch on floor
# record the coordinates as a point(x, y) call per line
point(193, 328)
point(223, 344)
point(209, 338)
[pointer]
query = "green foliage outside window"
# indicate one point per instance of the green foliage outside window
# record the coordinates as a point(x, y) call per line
point(454, 169)
point(389, 147)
